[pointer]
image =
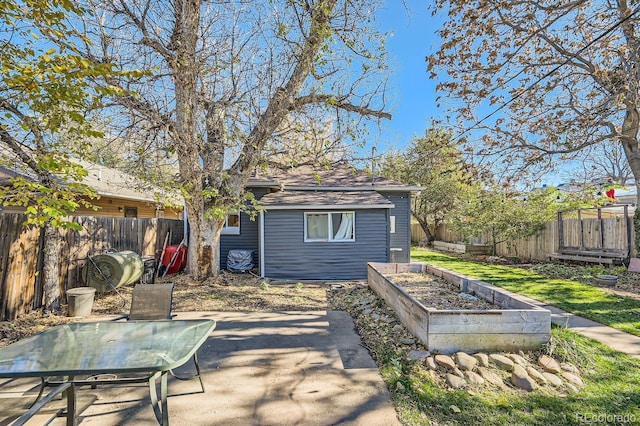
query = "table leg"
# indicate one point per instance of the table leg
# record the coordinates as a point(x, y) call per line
point(160, 408)
point(71, 406)
point(43, 384)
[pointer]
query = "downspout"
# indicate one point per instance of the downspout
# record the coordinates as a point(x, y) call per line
point(261, 242)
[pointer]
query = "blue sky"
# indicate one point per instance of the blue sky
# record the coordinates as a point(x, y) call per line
point(414, 94)
point(413, 104)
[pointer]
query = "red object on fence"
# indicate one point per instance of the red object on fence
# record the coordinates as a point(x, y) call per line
point(180, 261)
point(611, 193)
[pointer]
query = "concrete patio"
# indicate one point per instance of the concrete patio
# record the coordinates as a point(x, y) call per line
point(285, 368)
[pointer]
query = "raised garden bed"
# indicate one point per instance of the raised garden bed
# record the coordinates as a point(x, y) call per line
point(462, 248)
point(437, 293)
point(512, 324)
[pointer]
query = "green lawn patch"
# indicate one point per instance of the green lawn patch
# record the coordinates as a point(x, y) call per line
point(572, 296)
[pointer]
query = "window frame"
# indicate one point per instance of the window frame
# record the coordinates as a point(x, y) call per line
point(330, 238)
point(231, 230)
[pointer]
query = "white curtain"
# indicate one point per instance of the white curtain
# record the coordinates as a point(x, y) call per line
point(318, 226)
point(345, 231)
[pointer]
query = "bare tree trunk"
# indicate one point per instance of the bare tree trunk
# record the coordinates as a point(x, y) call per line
point(51, 268)
point(185, 71)
point(199, 95)
point(632, 151)
point(204, 246)
point(425, 227)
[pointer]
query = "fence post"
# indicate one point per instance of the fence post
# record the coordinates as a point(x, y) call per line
point(38, 291)
point(560, 232)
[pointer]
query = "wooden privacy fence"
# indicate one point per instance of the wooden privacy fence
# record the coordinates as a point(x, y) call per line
point(20, 253)
point(613, 232)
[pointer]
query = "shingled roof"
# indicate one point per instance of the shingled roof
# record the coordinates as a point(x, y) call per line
point(338, 177)
point(325, 200)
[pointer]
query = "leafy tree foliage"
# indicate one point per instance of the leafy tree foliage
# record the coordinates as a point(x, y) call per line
point(45, 92)
point(567, 74)
point(503, 215)
point(470, 204)
point(432, 162)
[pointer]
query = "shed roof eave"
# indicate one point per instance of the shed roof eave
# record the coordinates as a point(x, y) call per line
point(355, 188)
point(329, 207)
point(137, 198)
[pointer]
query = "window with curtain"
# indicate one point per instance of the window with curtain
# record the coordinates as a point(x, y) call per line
point(333, 226)
point(231, 224)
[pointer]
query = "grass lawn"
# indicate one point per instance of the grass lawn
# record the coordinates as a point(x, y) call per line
point(581, 299)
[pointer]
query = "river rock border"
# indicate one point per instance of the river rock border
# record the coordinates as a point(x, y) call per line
point(462, 371)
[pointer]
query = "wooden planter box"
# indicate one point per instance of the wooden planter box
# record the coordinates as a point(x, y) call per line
point(518, 325)
point(462, 248)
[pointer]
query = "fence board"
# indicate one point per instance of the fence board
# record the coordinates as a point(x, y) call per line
point(19, 252)
point(538, 247)
point(19, 260)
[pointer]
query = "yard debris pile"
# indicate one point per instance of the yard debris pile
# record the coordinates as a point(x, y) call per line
point(227, 292)
point(28, 325)
point(434, 292)
point(385, 336)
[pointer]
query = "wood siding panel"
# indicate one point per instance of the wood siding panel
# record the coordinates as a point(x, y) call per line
point(287, 256)
point(114, 207)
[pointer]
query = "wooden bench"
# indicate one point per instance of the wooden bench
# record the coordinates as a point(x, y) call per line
point(590, 256)
point(594, 252)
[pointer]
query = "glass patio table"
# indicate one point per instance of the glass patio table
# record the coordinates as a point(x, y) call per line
point(147, 348)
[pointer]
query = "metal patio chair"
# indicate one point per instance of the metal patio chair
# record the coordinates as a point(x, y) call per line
point(150, 302)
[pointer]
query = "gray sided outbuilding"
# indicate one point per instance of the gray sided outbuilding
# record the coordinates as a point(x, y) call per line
point(324, 224)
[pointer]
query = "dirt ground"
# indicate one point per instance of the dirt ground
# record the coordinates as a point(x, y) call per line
point(228, 292)
point(242, 292)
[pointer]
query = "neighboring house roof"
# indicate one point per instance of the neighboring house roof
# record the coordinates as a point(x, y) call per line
point(339, 177)
point(107, 182)
point(262, 182)
point(324, 200)
point(6, 175)
point(627, 195)
point(114, 183)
